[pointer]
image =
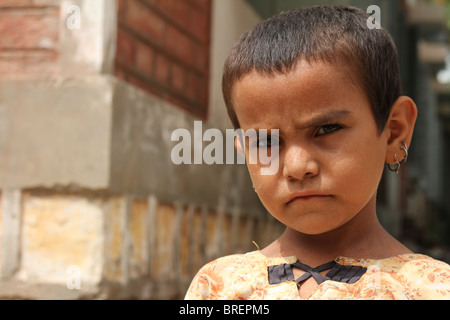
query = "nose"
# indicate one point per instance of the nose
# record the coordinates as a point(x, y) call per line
point(299, 163)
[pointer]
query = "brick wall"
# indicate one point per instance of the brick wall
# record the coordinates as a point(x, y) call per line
point(163, 48)
point(29, 38)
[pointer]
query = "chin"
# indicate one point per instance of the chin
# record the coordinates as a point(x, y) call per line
point(314, 231)
point(318, 227)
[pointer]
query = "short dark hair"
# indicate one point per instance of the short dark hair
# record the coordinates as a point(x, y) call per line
point(333, 34)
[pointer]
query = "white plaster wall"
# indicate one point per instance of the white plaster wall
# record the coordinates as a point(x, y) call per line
point(88, 32)
point(230, 18)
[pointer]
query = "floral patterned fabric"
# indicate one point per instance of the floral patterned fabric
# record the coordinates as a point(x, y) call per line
point(245, 277)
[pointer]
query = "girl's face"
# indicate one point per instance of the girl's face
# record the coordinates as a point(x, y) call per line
point(331, 155)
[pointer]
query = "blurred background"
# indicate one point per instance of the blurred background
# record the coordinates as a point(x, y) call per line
point(92, 206)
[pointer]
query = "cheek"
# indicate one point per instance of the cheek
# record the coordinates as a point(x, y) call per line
point(358, 177)
point(265, 186)
point(260, 183)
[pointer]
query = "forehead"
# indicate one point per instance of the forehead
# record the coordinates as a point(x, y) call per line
point(308, 89)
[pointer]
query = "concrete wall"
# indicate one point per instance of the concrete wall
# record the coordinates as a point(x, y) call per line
point(94, 245)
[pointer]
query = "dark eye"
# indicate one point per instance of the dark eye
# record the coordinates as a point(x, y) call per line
point(268, 142)
point(329, 128)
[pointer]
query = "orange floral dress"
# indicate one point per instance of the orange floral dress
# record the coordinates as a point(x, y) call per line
point(246, 277)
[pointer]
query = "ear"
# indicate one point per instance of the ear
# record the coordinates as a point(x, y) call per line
point(400, 127)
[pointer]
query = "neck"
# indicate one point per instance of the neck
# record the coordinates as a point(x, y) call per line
point(361, 237)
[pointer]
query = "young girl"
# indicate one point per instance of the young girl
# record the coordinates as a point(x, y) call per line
point(330, 87)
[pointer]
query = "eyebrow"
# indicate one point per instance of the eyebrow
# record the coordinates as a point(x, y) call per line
point(324, 118)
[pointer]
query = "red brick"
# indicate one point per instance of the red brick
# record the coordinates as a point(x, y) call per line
point(183, 14)
point(126, 50)
point(121, 7)
point(200, 27)
point(44, 3)
point(179, 44)
point(179, 12)
point(162, 69)
point(24, 64)
point(144, 59)
point(204, 5)
point(204, 93)
point(26, 29)
point(178, 78)
point(15, 3)
point(166, 6)
point(145, 21)
point(194, 86)
point(139, 83)
point(201, 58)
point(175, 42)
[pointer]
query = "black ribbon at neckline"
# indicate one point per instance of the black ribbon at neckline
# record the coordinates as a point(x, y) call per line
point(338, 272)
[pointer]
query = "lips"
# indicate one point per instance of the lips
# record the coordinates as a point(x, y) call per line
point(305, 196)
